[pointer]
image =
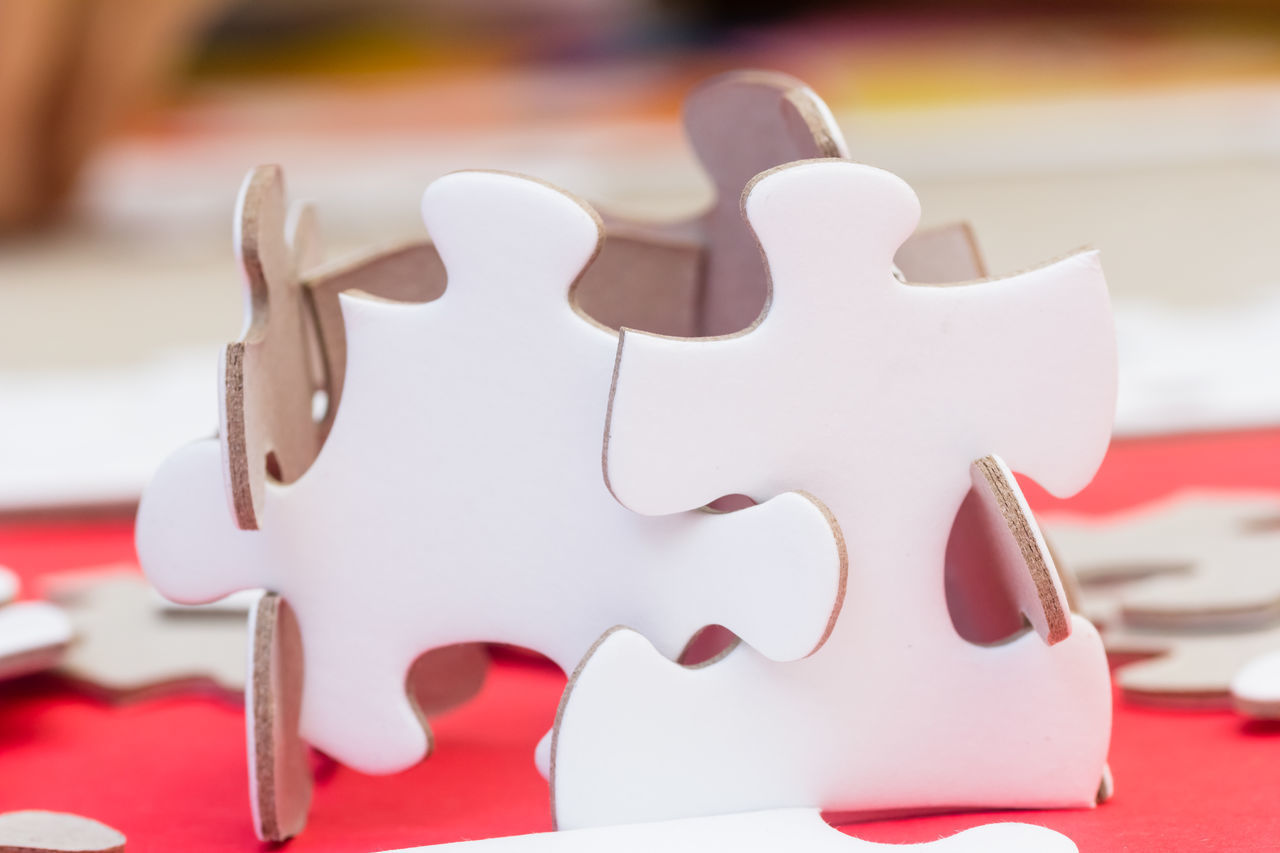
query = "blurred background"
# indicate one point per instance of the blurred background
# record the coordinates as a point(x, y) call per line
point(1148, 129)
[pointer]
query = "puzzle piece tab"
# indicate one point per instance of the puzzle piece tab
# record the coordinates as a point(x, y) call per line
point(56, 832)
point(458, 496)
point(877, 396)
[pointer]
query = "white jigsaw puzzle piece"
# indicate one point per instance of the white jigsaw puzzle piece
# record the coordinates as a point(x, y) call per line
point(798, 830)
point(33, 636)
point(877, 396)
point(1255, 689)
point(459, 496)
point(9, 586)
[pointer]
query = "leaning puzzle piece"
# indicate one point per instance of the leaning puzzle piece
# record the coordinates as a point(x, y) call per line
point(127, 647)
point(467, 442)
point(1198, 560)
point(56, 832)
point(876, 395)
point(800, 830)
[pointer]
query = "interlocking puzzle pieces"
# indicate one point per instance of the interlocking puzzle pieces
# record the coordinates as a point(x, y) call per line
point(458, 496)
point(876, 395)
point(1188, 586)
point(56, 832)
point(34, 635)
point(700, 276)
point(128, 647)
point(759, 832)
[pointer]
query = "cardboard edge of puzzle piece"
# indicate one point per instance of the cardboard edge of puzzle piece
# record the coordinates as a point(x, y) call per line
point(37, 831)
point(1000, 574)
point(280, 782)
point(269, 377)
point(797, 829)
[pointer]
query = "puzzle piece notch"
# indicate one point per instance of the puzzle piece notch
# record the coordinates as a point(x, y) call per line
point(267, 425)
point(1025, 364)
point(522, 365)
point(1195, 561)
point(56, 832)
point(759, 832)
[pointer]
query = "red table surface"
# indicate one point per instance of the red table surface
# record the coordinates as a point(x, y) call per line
point(170, 772)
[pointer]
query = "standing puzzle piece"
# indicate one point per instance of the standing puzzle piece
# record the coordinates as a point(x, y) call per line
point(270, 376)
point(127, 647)
point(56, 832)
point(458, 497)
point(877, 396)
point(800, 830)
point(699, 276)
point(1194, 561)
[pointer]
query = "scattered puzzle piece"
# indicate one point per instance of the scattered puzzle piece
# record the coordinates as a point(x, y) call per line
point(877, 396)
point(1255, 688)
point(1186, 670)
point(34, 636)
point(126, 647)
point(9, 586)
point(56, 832)
point(1197, 560)
point(800, 830)
point(482, 408)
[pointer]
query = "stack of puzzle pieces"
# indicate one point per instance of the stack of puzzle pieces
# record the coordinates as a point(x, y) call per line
point(1187, 594)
